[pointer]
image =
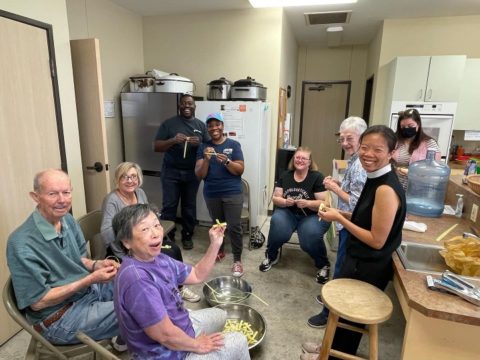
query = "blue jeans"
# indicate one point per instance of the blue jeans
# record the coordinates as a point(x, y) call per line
point(282, 225)
point(180, 184)
point(92, 314)
point(342, 245)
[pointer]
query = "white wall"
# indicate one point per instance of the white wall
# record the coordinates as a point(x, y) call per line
point(54, 12)
point(331, 64)
point(424, 36)
point(120, 34)
point(288, 62)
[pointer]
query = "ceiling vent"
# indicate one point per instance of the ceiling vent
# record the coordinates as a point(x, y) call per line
point(327, 18)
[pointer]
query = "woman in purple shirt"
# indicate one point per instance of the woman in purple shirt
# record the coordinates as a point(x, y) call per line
point(152, 318)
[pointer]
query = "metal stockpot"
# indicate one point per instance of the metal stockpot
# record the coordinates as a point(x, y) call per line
point(142, 83)
point(219, 89)
point(174, 84)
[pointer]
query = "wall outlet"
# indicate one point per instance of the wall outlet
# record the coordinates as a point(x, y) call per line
point(473, 214)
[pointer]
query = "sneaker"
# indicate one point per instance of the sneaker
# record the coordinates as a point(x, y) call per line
point(187, 243)
point(237, 269)
point(318, 321)
point(319, 299)
point(189, 295)
point(267, 263)
point(220, 256)
point(323, 275)
point(312, 348)
point(118, 344)
point(309, 356)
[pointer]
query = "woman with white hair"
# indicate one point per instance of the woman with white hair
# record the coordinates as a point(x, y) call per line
point(348, 192)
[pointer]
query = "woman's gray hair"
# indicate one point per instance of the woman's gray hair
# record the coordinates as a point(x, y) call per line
point(354, 123)
point(124, 221)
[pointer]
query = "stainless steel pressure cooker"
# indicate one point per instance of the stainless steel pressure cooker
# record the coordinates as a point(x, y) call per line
point(248, 89)
point(219, 89)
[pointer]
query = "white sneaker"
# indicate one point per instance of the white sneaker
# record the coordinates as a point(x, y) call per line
point(189, 295)
point(118, 344)
point(237, 269)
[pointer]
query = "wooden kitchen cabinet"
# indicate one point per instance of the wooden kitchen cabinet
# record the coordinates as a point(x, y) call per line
point(466, 117)
point(427, 78)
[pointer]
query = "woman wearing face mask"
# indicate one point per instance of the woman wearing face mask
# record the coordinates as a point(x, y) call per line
point(413, 143)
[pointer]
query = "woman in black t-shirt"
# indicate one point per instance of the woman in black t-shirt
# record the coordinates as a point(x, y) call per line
point(297, 196)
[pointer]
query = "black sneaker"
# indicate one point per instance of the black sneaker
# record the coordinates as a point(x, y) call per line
point(267, 263)
point(318, 321)
point(187, 243)
point(323, 275)
point(319, 299)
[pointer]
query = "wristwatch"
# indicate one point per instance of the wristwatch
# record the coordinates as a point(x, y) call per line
point(227, 162)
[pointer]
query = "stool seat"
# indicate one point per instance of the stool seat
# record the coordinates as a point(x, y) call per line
point(357, 301)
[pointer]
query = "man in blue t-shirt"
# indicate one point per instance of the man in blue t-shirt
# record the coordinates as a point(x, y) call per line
point(60, 290)
point(179, 137)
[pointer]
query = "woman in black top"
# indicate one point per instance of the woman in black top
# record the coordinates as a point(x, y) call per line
point(375, 226)
point(297, 196)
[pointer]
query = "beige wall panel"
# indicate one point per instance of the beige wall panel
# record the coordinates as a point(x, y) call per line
point(120, 34)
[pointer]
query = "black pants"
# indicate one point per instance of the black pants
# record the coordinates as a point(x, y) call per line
point(180, 185)
point(229, 209)
point(376, 273)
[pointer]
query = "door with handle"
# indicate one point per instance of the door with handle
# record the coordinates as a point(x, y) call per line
point(91, 123)
point(324, 107)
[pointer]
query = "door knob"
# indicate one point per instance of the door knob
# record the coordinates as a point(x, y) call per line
point(98, 167)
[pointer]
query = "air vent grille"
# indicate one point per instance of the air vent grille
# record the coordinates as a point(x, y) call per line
point(327, 18)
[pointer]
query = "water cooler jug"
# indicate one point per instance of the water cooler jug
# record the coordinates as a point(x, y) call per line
point(427, 186)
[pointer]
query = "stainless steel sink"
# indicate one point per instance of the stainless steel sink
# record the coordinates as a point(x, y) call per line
point(422, 257)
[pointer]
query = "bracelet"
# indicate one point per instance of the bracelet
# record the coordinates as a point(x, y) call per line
point(93, 265)
point(227, 162)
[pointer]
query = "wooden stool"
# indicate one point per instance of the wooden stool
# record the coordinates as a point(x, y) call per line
point(355, 301)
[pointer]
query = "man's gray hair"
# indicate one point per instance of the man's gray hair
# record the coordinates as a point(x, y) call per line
point(37, 180)
point(124, 222)
point(354, 123)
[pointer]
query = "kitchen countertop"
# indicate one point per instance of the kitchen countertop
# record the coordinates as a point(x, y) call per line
point(413, 284)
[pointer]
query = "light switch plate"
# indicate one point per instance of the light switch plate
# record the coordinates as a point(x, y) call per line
point(474, 213)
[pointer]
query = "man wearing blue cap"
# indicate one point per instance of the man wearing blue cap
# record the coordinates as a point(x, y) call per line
point(179, 137)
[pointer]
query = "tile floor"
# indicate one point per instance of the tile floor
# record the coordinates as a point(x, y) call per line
point(289, 288)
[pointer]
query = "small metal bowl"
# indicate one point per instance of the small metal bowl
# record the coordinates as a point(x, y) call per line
point(250, 315)
point(226, 290)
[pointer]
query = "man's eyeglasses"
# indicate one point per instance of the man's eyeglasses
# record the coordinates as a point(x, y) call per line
point(300, 158)
point(348, 140)
point(129, 177)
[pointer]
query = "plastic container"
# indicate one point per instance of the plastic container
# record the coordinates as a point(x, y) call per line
point(427, 186)
point(459, 208)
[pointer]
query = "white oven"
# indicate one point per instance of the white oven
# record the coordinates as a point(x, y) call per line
point(437, 120)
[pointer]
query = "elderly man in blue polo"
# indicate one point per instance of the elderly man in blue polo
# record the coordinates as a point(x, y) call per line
point(59, 288)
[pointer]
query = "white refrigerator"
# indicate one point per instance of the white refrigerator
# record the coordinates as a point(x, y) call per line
point(247, 122)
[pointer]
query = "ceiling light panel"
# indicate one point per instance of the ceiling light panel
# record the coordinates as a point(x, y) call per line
point(290, 3)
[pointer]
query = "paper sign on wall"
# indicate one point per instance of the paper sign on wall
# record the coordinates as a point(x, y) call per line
point(472, 136)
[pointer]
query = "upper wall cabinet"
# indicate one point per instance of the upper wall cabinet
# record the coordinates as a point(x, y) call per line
point(427, 78)
point(466, 117)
